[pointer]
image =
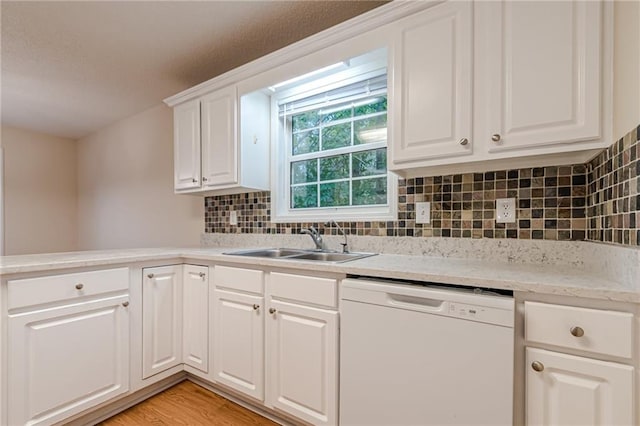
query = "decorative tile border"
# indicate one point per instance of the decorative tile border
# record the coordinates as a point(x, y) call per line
point(597, 201)
point(614, 187)
point(551, 205)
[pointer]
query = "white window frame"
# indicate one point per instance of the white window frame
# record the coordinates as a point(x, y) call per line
point(281, 211)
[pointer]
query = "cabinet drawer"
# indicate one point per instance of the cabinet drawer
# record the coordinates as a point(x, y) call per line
point(55, 288)
point(249, 280)
point(590, 330)
point(320, 291)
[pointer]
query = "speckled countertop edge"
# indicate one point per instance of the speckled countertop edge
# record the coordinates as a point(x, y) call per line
point(548, 279)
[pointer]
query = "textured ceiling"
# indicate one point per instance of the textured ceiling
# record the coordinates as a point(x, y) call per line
point(71, 68)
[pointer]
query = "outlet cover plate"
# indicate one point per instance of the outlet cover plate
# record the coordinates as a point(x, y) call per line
point(233, 218)
point(423, 212)
point(506, 210)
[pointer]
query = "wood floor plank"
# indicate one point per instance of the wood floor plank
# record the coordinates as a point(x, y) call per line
point(187, 404)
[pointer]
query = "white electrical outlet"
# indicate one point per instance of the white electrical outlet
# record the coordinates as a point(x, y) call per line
point(505, 210)
point(233, 217)
point(423, 213)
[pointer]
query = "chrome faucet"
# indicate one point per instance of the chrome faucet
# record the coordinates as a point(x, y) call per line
point(315, 236)
point(345, 246)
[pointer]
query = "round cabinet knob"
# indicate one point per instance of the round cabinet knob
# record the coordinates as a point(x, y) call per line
point(79, 286)
point(464, 141)
point(150, 276)
point(125, 304)
point(202, 275)
point(537, 366)
point(577, 331)
point(194, 180)
point(204, 179)
point(272, 310)
point(496, 137)
point(256, 307)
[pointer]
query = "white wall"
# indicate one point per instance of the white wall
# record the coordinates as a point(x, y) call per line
point(626, 88)
point(40, 194)
point(125, 187)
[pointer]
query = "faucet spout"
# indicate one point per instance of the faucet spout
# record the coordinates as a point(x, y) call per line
point(315, 236)
point(345, 245)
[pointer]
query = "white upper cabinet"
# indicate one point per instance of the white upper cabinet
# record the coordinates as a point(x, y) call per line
point(484, 85)
point(219, 125)
point(186, 153)
point(433, 84)
point(543, 70)
point(219, 149)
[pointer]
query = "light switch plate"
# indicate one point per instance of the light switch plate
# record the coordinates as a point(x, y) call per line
point(233, 218)
point(505, 210)
point(423, 212)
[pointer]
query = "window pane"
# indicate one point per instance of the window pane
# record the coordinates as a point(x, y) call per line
point(336, 167)
point(304, 171)
point(336, 136)
point(305, 120)
point(304, 196)
point(369, 130)
point(305, 142)
point(368, 163)
point(334, 194)
point(378, 104)
point(333, 114)
point(370, 191)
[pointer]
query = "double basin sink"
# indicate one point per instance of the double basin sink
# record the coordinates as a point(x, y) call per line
point(300, 254)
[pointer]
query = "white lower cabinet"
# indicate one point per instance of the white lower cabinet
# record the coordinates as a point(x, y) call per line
point(238, 358)
point(161, 319)
point(576, 389)
point(302, 345)
point(67, 359)
point(571, 390)
point(195, 319)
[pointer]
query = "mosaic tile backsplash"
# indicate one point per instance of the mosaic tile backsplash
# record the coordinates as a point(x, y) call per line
point(597, 201)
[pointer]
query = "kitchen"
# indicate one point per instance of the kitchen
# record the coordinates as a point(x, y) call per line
point(496, 188)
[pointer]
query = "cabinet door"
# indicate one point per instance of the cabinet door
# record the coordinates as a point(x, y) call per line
point(161, 319)
point(541, 63)
point(65, 360)
point(238, 359)
point(219, 141)
point(433, 84)
point(186, 145)
point(195, 331)
point(573, 390)
point(302, 348)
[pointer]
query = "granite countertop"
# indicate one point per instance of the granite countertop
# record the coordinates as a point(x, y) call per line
point(545, 279)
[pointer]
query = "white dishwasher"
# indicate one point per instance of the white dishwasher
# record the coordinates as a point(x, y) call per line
point(424, 355)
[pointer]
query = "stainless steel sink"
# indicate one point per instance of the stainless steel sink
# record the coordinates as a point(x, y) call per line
point(273, 253)
point(300, 254)
point(331, 257)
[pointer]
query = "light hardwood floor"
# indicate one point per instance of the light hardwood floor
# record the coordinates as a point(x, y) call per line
point(187, 404)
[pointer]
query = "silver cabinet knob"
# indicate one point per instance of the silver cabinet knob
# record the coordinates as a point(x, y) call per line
point(537, 366)
point(464, 141)
point(202, 275)
point(272, 310)
point(496, 137)
point(150, 276)
point(204, 179)
point(194, 180)
point(256, 307)
point(125, 304)
point(79, 286)
point(577, 331)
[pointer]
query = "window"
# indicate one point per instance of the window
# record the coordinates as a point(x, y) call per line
point(332, 161)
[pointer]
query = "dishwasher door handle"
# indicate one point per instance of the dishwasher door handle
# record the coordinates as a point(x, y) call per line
point(423, 304)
